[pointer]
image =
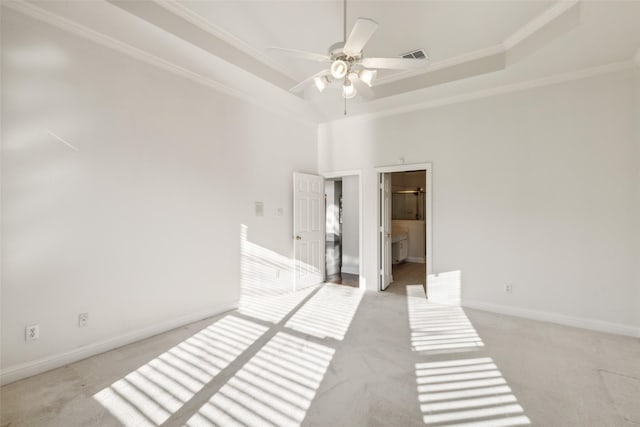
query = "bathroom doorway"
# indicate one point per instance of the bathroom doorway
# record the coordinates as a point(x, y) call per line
point(342, 230)
point(408, 226)
point(405, 226)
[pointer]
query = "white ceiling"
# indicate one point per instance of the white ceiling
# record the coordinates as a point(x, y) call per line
point(222, 44)
point(445, 29)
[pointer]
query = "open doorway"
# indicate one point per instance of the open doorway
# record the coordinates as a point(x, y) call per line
point(408, 227)
point(342, 230)
point(405, 226)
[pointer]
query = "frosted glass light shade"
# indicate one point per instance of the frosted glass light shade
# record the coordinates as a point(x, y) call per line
point(321, 83)
point(348, 90)
point(367, 76)
point(339, 69)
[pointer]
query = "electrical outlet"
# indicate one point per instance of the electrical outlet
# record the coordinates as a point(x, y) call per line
point(83, 320)
point(508, 288)
point(32, 332)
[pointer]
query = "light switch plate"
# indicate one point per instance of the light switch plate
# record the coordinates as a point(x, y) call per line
point(259, 209)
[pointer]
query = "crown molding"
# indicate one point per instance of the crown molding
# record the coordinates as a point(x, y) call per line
point(539, 22)
point(511, 49)
point(86, 33)
point(446, 63)
point(495, 91)
point(201, 22)
point(533, 26)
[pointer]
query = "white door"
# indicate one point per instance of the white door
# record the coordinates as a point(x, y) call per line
point(385, 231)
point(308, 229)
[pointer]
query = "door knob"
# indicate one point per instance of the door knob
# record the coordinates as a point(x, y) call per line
point(298, 238)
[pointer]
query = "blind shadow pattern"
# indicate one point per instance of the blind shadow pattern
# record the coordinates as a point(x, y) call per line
point(278, 384)
point(266, 282)
point(149, 395)
point(328, 313)
point(287, 338)
point(467, 392)
point(439, 328)
point(275, 388)
point(456, 392)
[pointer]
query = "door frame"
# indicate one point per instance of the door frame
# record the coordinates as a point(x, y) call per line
point(342, 174)
point(428, 168)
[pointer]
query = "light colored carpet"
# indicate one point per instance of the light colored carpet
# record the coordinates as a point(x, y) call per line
point(332, 355)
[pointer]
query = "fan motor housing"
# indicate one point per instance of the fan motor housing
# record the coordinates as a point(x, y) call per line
point(336, 51)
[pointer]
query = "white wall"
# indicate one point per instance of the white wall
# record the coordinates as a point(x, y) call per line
point(536, 188)
point(350, 225)
point(141, 224)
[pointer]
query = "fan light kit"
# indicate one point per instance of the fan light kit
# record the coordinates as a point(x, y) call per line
point(339, 69)
point(368, 76)
point(321, 83)
point(348, 89)
point(353, 72)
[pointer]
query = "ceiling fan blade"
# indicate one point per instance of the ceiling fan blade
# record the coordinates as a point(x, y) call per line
point(301, 54)
point(360, 35)
point(306, 82)
point(363, 89)
point(394, 63)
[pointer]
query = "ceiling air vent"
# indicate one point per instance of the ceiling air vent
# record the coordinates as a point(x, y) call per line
point(416, 54)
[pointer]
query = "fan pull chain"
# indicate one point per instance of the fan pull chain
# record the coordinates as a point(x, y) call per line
point(345, 106)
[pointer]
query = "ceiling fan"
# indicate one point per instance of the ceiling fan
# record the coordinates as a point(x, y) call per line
point(349, 67)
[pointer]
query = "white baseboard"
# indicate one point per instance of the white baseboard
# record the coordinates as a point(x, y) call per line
point(416, 259)
point(348, 269)
point(578, 322)
point(34, 367)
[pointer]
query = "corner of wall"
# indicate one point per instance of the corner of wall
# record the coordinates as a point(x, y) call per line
point(637, 204)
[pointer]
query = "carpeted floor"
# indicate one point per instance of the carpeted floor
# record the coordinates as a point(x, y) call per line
point(333, 355)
